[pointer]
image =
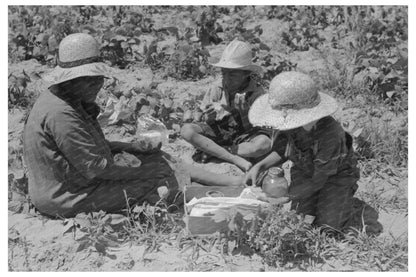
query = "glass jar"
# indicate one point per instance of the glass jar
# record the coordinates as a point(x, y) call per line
point(275, 183)
point(149, 141)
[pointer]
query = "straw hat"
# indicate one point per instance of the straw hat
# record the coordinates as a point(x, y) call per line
point(78, 56)
point(237, 55)
point(293, 101)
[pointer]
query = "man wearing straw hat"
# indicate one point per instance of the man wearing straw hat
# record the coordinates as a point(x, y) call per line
point(324, 174)
point(226, 133)
point(70, 164)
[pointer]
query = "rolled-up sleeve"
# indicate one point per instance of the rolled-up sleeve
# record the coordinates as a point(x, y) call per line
point(74, 139)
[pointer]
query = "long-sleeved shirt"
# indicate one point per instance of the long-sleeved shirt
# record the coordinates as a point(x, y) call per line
point(322, 153)
point(64, 151)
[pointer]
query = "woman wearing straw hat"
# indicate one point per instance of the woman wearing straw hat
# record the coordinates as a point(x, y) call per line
point(70, 164)
point(226, 133)
point(324, 173)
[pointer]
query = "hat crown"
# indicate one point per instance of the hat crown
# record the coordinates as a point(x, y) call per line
point(76, 47)
point(237, 52)
point(293, 90)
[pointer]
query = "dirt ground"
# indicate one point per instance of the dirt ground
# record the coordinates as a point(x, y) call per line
point(37, 243)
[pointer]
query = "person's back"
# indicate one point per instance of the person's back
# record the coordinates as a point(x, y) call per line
point(54, 175)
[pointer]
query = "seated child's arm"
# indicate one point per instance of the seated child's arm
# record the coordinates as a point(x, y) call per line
point(272, 159)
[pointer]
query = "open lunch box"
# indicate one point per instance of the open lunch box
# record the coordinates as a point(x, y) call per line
point(211, 209)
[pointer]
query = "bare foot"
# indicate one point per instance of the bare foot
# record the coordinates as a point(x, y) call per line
point(242, 163)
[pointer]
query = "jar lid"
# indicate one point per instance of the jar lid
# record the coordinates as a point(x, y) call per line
point(276, 171)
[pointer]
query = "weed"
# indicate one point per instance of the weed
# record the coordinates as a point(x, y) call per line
point(284, 240)
point(96, 230)
point(20, 244)
point(152, 226)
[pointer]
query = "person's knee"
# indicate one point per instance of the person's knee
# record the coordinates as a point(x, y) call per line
point(188, 131)
point(262, 145)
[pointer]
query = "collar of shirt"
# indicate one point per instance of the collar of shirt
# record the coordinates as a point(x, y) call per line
point(252, 86)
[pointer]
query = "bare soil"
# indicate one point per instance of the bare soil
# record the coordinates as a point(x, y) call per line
point(37, 243)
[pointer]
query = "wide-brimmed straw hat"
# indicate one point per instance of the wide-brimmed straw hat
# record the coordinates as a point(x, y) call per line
point(293, 101)
point(78, 56)
point(238, 55)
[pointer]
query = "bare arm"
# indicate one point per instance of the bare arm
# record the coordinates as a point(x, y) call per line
point(272, 159)
point(258, 147)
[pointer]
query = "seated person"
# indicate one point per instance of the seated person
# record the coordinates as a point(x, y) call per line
point(226, 133)
point(324, 174)
point(70, 164)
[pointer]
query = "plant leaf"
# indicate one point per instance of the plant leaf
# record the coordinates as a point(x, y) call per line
point(69, 226)
point(357, 132)
point(101, 248)
point(117, 219)
point(83, 245)
point(390, 94)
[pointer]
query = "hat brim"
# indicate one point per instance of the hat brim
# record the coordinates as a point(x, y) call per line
point(251, 67)
point(59, 75)
point(262, 114)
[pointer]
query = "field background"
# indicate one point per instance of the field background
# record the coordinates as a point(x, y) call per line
point(160, 58)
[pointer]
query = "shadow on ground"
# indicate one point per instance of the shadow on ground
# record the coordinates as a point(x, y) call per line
point(365, 216)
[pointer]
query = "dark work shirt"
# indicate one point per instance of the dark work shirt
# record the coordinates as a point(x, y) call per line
point(64, 151)
point(323, 152)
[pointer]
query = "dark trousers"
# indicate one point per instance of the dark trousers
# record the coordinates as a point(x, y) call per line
point(332, 205)
point(113, 196)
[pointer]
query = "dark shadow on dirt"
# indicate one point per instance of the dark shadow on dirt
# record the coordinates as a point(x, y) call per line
point(365, 216)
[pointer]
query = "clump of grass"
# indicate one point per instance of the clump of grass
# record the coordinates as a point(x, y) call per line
point(153, 225)
point(367, 252)
point(143, 224)
point(18, 244)
point(385, 140)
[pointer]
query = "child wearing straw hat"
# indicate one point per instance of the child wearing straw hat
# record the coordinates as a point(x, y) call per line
point(70, 164)
point(324, 173)
point(226, 133)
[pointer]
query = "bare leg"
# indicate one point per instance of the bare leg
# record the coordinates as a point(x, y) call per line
point(257, 147)
point(208, 178)
point(192, 134)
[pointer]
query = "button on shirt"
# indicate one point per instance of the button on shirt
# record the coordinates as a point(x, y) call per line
point(64, 151)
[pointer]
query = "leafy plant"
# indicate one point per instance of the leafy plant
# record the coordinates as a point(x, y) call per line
point(188, 62)
point(96, 230)
point(207, 27)
point(152, 225)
